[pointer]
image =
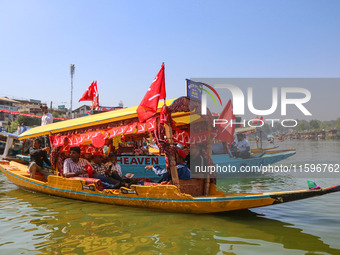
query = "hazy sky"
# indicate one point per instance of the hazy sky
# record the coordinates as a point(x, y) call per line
point(122, 44)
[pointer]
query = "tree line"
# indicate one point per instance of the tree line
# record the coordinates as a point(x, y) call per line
point(303, 125)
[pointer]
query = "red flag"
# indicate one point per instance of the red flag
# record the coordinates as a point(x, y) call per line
point(148, 106)
point(89, 93)
point(257, 120)
point(225, 132)
point(164, 114)
point(95, 103)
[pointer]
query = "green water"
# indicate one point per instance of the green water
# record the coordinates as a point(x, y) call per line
point(32, 223)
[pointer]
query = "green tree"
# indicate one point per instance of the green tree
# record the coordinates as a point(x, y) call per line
point(28, 121)
point(314, 124)
point(302, 125)
point(55, 114)
point(337, 123)
point(326, 125)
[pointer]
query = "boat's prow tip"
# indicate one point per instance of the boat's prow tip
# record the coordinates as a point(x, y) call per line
point(335, 188)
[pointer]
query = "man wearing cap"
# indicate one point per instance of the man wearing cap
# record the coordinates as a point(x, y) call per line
point(182, 168)
point(74, 165)
point(37, 157)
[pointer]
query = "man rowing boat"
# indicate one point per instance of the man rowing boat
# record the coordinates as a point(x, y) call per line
point(38, 156)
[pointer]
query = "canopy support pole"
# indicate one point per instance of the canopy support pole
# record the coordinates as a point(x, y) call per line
point(172, 159)
point(207, 177)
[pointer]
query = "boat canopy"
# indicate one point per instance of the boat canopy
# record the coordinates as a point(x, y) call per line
point(97, 119)
point(245, 130)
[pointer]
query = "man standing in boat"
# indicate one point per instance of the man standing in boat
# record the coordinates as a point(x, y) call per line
point(38, 156)
point(46, 119)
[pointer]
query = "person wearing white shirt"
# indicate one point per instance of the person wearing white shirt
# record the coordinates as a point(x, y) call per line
point(243, 146)
point(47, 117)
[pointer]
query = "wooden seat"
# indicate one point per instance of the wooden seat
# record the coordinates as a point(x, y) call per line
point(97, 183)
point(194, 187)
point(38, 176)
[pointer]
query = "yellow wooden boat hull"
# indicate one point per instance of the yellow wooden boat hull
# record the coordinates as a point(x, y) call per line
point(161, 197)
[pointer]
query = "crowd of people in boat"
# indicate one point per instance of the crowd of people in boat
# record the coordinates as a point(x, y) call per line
point(107, 169)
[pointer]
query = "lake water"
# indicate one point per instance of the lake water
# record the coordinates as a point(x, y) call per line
point(32, 223)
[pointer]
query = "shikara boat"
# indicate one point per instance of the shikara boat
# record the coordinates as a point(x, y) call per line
point(186, 196)
point(162, 197)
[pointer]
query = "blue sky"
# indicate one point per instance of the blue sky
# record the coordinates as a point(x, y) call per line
point(122, 44)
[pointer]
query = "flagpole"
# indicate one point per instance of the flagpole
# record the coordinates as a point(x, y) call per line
point(164, 82)
point(172, 159)
point(72, 67)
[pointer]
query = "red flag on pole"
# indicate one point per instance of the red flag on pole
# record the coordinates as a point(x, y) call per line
point(95, 103)
point(257, 120)
point(148, 106)
point(225, 132)
point(89, 93)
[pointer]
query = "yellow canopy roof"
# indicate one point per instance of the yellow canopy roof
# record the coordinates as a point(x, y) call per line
point(92, 120)
point(245, 129)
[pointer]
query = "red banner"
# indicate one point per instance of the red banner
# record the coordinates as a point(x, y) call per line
point(131, 128)
point(141, 128)
point(29, 115)
point(151, 124)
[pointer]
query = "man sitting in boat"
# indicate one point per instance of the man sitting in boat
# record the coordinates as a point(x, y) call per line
point(38, 156)
point(100, 171)
point(115, 170)
point(182, 168)
point(243, 146)
point(113, 165)
point(75, 166)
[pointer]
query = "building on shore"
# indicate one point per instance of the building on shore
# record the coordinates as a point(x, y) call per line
point(85, 110)
point(31, 106)
point(8, 105)
point(81, 111)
